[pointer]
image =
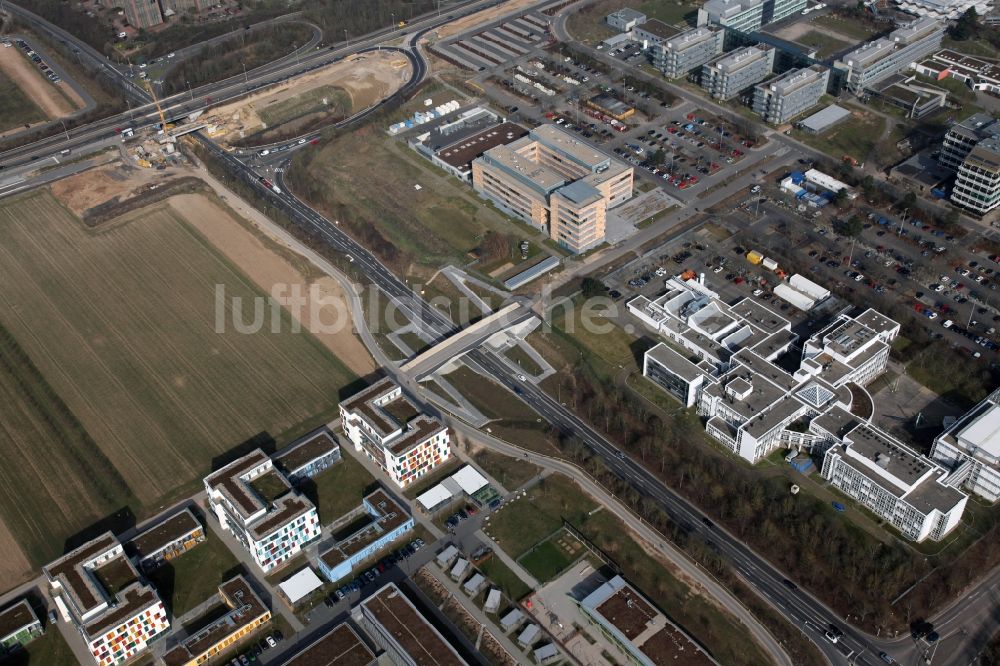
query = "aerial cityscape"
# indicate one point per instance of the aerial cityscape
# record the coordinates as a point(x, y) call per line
point(500, 332)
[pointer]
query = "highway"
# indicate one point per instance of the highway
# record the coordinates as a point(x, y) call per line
point(796, 605)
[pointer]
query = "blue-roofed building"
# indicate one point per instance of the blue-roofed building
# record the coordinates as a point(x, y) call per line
point(379, 521)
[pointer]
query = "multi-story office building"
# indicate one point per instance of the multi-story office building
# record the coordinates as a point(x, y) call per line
point(245, 613)
point(18, 626)
point(795, 92)
point(255, 502)
point(776, 10)
point(884, 57)
point(688, 51)
point(653, 33)
point(387, 427)
point(742, 15)
point(962, 137)
point(142, 13)
point(396, 626)
point(909, 491)
point(977, 187)
point(556, 183)
point(625, 19)
point(722, 359)
point(731, 74)
point(971, 449)
point(97, 589)
point(386, 521)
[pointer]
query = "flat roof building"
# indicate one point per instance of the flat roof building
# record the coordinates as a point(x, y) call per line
point(253, 501)
point(970, 447)
point(879, 59)
point(386, 426)
point(625, 19)
point(308, 455)
point(944, 10)
point(245, 613)
point(397, 627)
point(637, 628)
point(653, 32)
point(114, 610)
point(166, 540)
point(963, 136)
point(733, 73)
point(387, 520)
point(341, 646)
point(977, 187)
point(556, 183)
point(974, 72)
point(793, 93)
point(742, 15)
point(688, 51)
point(18, 626)
point(823, 120)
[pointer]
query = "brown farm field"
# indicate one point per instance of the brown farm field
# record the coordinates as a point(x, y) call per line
point(133, 393)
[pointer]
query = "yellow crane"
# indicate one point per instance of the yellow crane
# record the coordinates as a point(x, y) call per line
point(159, 109)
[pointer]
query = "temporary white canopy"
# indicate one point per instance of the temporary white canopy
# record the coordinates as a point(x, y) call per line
point(469, 479)
point(434, 497)
point(300, 585)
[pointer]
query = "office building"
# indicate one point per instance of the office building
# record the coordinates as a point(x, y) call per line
point(793, 93)
point(653, 33)
point(974, 72)
point(638, 629)
point(909, 491)
point(380, 520)
point(309, 455)
point(625, 19)
point(396, 626)
point(776, 10)
point(96, 588)
point(387, 427)
point(742, 15)
point(688, 51)
point(245, 612)
point(255, 503)
point(556, 183)
point(944, 10)
point(977, 187)
point(341, 646)
point(970, 447)
point(877, 60)
point(731, 74)
point(166, 540)
point(721, 358)
point(18, 626)
point(142, 13)
point(962, 137)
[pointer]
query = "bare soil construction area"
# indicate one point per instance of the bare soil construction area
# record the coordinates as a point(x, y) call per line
point(365, 79)
point(54, 102)
point(483, 17)
point(97, 186)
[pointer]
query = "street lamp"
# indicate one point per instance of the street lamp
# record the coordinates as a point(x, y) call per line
point(190, 92)
point(64, 128)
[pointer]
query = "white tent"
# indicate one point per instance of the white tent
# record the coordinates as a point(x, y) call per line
point(434, 497)
point(795, 297)
point(469, 479)
point(300, 585)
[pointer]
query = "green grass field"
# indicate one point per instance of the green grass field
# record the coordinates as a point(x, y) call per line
point(503, 577)
point(848, 27)
point(49, 648)
point(511, 473)
point(16, 108)
point(524, 360)
point(187, 581)
point(338, 103)
point(143, 393)
point(339, 489)
point(855, 136)
point(551, 557)
point(524, 522)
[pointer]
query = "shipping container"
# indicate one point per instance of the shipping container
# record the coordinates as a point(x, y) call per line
point(754, 257)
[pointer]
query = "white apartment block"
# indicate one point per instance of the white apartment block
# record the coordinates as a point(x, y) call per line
point(731, 74)
point(793, 93)
point(890, 55)
point(386, 426)
point(688, 51)
point(254, 501)
point(911, 492)
point(977, 187)
point(98, 590)
point(971, 449)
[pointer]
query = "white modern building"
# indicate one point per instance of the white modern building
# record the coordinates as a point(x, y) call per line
point(733, 73)
point(253, 501)
point(688, 51)
point(971, 449)
point(793, 93)
point(911, 492)
point(877, 60)
point(977, 187)
point(747, 15)
point(944, 10)
point(387, 427)
point(99, 591)
point(625, 19)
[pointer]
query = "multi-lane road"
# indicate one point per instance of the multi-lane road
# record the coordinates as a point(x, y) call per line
point(797, 606)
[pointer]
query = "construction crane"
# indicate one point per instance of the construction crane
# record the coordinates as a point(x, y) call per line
point(159, 109)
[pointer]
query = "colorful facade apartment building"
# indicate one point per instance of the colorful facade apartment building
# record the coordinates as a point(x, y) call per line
point(246, 613)
point(389, 521)
point(166, 540)
point(97, 588)
point(309, 455)
point(18, 626)
point(386, 426)
point(256, 504)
